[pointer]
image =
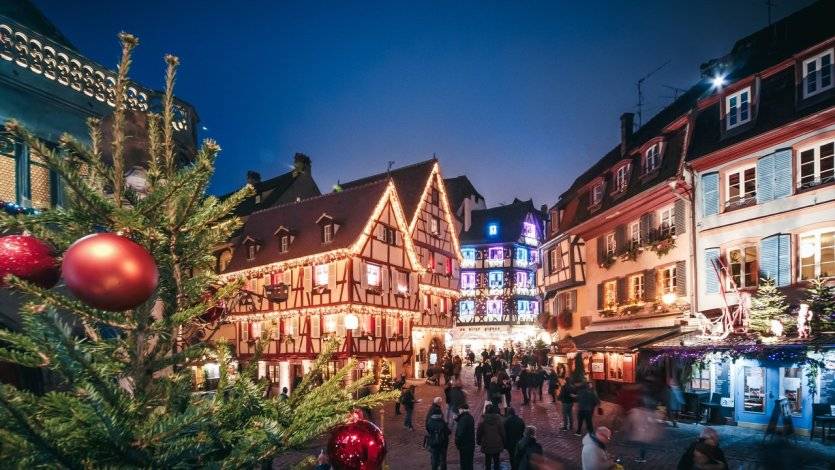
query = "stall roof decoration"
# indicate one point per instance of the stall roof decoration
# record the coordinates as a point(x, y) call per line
point(623, 340)
point(737, 347)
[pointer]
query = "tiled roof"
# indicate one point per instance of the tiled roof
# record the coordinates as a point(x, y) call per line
point(350, 209)
point(271, 191)
point(508, 218)
point(458, 189)
point(409, 180)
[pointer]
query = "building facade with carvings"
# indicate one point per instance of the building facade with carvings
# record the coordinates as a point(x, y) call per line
point(500, 303)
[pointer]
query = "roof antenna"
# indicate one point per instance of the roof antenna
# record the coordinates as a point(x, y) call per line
point(641, 93)
point(676, 91)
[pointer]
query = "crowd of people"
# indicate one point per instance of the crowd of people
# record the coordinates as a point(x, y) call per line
point(502, 432)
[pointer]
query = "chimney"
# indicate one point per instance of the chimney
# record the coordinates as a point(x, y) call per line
point(627, 120)
point(253, 177)
point(301, 164)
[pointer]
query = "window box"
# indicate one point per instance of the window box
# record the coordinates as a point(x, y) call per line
point(608, 261)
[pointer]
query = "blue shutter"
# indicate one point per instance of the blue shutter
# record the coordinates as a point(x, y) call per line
point(775, 258)
point(765, 179)
point(711, 279)
point(710, 194)
point(769, 248)
point(784, 260)
point(782, 173)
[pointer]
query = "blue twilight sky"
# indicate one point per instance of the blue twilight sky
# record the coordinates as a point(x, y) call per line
point(521, 96)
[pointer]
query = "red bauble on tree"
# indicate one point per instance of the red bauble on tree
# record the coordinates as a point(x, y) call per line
point(109, 271)
point(357, 445)
point(28, 258)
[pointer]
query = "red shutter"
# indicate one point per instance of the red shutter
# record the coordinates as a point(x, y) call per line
point(400, 326)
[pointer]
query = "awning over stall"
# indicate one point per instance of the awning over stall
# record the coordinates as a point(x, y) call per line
point(623, 340)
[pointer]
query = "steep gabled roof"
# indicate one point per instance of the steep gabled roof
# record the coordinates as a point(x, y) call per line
point(508, 218)
point(409, 180)
point(458, 189)
point(350, 210)
point(271, 191)
point(25, 12)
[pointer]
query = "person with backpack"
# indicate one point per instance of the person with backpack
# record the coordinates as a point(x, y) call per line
point(465, 437)
point(514, 428)
point(490, 436)
point(526, 449)
point(437, 437)
point(407, 399)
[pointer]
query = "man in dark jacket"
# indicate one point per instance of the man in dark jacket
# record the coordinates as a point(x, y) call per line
point(437, 437)
point(490, 436)
point(434, 408)
point(456, 398)
point(587, 401)
point(478, 375)
point(514, 427)
point(524, 384)
point(407, 399)
point(465, 437)
point(526, 449)
point(495, 392)
point(398, 385)
point(566, 397)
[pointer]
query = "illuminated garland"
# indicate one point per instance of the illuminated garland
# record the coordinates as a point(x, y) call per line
point(439, 291)
point(758, 352)
point(338, 254)
point(331, 310)
point(436, 172)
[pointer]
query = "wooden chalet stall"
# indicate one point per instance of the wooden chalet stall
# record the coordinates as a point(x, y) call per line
point(339, 265)
point(422, 193)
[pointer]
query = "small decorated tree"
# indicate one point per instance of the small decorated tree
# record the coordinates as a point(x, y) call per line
point(386, 381)
point(768, 306)
point(821, 299)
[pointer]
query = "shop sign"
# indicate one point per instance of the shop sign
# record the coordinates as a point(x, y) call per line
point(597, 367)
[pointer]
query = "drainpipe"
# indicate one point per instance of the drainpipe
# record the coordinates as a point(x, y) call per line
point(691, 198)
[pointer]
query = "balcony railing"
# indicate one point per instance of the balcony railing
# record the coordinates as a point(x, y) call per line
point(41, 56)
point(813, 183)
point(741, 201)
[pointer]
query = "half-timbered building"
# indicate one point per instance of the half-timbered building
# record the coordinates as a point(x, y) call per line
point(432, 228)
point(500, 302)
point(340, 265)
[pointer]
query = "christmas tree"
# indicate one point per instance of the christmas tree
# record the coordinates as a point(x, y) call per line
point(127, 397)
point(386, 381)
point(767, 306)
point(821, 299)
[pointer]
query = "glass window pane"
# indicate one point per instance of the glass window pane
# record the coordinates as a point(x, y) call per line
point(827, 254)
point(791, 387)
point(754, 389)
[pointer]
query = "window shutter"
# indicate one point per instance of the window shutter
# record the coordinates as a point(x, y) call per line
point(649, 285)
point(710, 193)
point(601, 248)
point(782, 173)
point(308, 270)
point(332, 275)
point(623, 295)
point(620, 238)
point(711, 278)
point(681, 278)
point(680, 217)
point(385, 273)
point(646, 226)
point(573, 296)
point(769, 254)
point(600, 296)
point(765, 179)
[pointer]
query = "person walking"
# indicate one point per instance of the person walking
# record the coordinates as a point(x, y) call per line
point(514, 428)
point(494, 392)
point(566, 397)
point(642, 428)
point(490, 436)
point(398, 385)
point(465, 437)
point(539, 380)
point(675, 400)
point(456, 398)
point(594, 455)
point(527, 449)
point(437, 437)
point(524, 384)
point(407, 399)
point(507, 389)
point(552, 385)
point(478, 375)
point(587, 401)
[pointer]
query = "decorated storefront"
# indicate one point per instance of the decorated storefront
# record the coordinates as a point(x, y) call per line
point(751, 383)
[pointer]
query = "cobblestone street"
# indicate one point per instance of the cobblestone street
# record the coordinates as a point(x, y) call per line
point(743, 447)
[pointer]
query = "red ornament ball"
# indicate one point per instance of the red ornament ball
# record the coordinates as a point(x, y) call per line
point(109, 271)
point(28, 258)
point(358, 445)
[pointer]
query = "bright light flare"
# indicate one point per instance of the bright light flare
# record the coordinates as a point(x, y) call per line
point(718, 80)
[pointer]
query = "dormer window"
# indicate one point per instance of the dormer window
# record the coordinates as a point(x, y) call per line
point(436, 197)
point(251, 249)
point(738, 108)
point(597, 194)
point(493, 230)
point(817, 74)
point(435, 226)
point(652, 158)
point(622, 177)
point(327, 233)
point(285, 243)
